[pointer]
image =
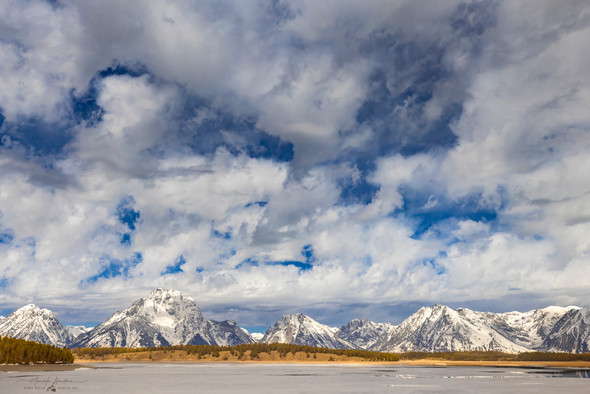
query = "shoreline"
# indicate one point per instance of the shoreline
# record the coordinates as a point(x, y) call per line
point(94, 364)
point(416, 363)
point(514, 364)
point(43, 367)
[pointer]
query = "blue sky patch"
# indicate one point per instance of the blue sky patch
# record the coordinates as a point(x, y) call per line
point(112, 268)
point(248, 262)
point(307, 253)
point(85, 107)
point(126, 214)
point(261, 204)
point(302, 266)
point(118, 69)
point(176, 267)
point(6, 236)
point(222, 235)
point(427, 210)
point(4, 282)
point(38, 136)
point(126, 239)
point(438, 268)
point(238, 135)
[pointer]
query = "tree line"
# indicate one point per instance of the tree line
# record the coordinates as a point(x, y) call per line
point(254, 350)
point(20, 351)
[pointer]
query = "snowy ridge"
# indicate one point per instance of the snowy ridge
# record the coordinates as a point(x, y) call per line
point(78, 330)
point(35, 324)
point(301, 329)
point(364, 334)
point(529, 329)
point(571, 333)
point(166, 317)
point(440, 328)
point(163, 318)
point(227, 333)
point(257, 336)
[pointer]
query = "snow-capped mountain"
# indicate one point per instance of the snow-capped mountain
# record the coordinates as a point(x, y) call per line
point(164, 317)
point(35, 324)
point(571, 333)
point(440, 328)
point(364, 334)
point(530, 329)
point(227, 333)
point(301, 329)
point(76, 331)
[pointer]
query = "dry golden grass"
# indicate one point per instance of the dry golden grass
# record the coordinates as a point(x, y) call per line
point(224, 356)
point(176, 356)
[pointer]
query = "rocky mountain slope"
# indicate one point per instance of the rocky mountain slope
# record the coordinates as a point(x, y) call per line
point(76, 331)
point(301, 329)
point(440, 328)
point(571, 333)
point(163, 318)
point(364, 334)
point(35, 324)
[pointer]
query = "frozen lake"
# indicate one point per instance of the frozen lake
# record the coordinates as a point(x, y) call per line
point(295, 378)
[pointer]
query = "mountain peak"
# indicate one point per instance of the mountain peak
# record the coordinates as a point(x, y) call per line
point(292, 317)
point(160, 293)
point(35, 324)
point(364, 333)
point(298, 328)
point(31, 308)
point(164, 317)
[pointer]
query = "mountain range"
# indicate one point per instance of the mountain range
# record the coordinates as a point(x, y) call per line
point(166, 317)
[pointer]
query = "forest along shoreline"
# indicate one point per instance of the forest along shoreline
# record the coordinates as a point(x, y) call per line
point(22, 355)
point(298, 354)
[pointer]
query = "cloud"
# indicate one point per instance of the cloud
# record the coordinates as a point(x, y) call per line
point(41, 51)
point(423, 154)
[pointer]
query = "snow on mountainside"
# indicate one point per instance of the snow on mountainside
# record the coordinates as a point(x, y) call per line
point(301, 329)
point(164, 317)
point(364, 334)
point(530, 329)
point(227, 333)
point(257, 336)
point(76, 331)
point(571, 333)
point(35, 324)
point(440, 328)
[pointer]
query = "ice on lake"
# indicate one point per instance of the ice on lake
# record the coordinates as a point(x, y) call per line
point(296, 378)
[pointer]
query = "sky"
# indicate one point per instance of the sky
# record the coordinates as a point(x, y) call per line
point(343, 159)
